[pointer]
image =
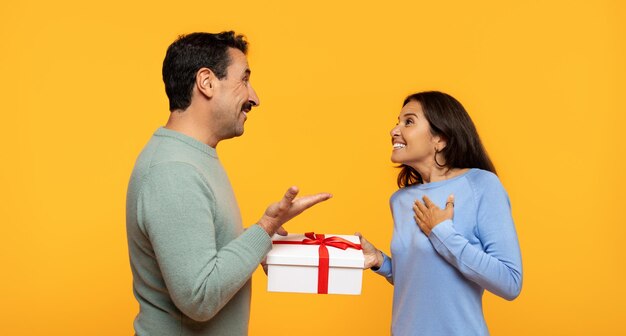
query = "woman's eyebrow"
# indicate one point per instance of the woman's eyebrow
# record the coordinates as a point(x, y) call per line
point(409, 114)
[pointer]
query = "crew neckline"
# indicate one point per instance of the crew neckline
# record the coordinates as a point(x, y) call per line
point(162, 131)
point(437, 184)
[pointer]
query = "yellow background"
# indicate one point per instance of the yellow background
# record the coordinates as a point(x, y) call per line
point(81, 93)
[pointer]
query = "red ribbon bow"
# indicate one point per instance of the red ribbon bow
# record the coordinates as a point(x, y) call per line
point(322, 241)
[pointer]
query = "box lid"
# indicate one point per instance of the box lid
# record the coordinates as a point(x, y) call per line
point(308, 255)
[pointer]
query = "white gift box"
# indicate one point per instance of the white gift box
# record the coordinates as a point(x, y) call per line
point(294, 267)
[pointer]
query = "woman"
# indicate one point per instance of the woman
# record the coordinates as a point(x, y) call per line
point(453, 232)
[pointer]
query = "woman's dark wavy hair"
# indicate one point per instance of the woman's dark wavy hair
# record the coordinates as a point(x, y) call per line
point(448, 119)
point(188, 54)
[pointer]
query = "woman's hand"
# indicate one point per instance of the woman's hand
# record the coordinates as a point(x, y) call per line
point(373, 257)
point(428, 215)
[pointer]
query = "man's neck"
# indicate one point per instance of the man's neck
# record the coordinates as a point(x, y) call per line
point(188, 123)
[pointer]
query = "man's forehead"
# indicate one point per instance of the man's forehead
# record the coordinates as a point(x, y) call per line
point(238, 59)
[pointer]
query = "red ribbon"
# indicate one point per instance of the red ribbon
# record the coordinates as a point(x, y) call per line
point(319, 239)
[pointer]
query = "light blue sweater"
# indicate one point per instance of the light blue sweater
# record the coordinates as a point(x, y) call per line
point(439, 280)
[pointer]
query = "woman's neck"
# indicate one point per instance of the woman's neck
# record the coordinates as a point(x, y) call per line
point(431, 173)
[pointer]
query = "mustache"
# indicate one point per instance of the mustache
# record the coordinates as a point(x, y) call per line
point(248, 106)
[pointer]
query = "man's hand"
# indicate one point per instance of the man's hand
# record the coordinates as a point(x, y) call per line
point(264, 265)
point(373, 257)
point(289, 207)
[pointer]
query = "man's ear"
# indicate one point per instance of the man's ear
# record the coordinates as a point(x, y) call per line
point(205, 81)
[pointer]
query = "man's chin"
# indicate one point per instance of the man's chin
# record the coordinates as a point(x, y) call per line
point(235, 133)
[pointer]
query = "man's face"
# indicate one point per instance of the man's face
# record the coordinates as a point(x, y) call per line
point(234, 96)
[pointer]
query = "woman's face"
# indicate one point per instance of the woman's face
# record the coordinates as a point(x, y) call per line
point(413, 143)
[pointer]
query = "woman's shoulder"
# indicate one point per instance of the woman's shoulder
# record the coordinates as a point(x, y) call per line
point(484, 181)
point(401, 193)
point(482, 177)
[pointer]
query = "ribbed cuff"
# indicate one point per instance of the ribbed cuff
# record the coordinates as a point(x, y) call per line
point(385, 268)
point(258, 238)
point(441, 232)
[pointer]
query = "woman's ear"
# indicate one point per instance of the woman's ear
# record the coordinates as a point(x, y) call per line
point(440, 143)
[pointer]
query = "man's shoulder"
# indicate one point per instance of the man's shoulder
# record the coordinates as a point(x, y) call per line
point(162, 157)
point(170, 151)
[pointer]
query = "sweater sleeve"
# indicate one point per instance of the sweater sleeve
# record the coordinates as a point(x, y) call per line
point(175, 210)
point(386, 269)
point(497, 266)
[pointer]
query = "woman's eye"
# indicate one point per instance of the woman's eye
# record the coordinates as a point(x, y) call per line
point(408, 122)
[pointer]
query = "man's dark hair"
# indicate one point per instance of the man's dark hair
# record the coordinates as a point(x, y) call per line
point(448, 119)
point(188, 54)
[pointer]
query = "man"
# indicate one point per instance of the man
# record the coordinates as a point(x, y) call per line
point(190, 257)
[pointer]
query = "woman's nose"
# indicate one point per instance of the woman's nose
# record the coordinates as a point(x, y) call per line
point(395, 131)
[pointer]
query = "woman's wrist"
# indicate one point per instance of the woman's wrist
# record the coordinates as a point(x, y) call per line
point(379, 261)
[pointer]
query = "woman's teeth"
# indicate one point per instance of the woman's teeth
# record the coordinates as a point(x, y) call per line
point(398, 145)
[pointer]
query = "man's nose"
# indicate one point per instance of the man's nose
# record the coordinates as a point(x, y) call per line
point(253, 98)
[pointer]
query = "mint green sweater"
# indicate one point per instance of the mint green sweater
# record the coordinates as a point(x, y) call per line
point(190, 257)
